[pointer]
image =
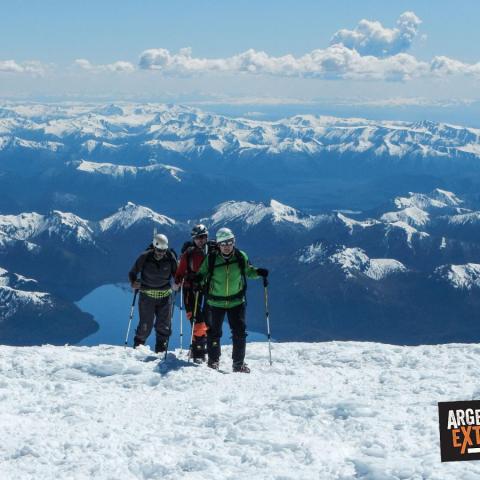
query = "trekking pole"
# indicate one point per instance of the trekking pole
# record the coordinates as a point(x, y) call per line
point(267, 315)
point(171, 317)
point(181, 319)
point(132, 309)
point(194, 319)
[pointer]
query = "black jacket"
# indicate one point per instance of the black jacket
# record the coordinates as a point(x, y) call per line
point(155, 274)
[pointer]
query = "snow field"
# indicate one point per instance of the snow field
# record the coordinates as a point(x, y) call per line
point(336, 410)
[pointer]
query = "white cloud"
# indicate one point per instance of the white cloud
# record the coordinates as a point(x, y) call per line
point(119, 67)
point(443, 66)
point(334, 62)
point(31, 67)
point(372, 38)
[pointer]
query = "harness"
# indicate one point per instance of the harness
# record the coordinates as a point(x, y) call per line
point(157, 294)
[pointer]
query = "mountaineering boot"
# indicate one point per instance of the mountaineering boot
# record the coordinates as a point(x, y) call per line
point(199, 349)
point(242, 368)
point(214, 365)
point(160, 345)
point(137, 342)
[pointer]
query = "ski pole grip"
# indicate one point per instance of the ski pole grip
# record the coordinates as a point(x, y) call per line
point(265, 281)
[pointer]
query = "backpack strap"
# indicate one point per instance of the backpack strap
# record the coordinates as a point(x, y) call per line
point(173, 260)
point(240, 259)
point(144, 260)
point(212, 256)
point(188, 253)
point(241, 263)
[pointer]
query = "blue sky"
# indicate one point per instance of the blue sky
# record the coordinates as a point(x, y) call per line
point(265, 51)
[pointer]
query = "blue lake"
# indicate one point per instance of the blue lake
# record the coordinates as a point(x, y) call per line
point(110, 306)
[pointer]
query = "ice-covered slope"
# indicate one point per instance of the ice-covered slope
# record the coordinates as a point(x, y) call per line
point(331, 411)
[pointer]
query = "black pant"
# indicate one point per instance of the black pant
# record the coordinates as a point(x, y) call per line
point(199, 340)
point(189, 302)
point(158, 312)
point(236, 320)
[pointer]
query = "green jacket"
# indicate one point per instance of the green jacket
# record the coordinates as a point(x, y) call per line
point(226, 280)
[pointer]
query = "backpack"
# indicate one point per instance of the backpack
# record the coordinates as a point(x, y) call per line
point(189, 247)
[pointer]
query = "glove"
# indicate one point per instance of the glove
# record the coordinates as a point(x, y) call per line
point(136, 285)
point(263, 272)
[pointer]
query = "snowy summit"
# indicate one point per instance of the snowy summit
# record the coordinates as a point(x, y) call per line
point(332, 411)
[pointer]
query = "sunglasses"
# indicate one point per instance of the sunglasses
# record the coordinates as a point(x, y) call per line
point(201, 237)
point(226, 243)
point(160, 250)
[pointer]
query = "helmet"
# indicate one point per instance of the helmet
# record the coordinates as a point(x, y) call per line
point(198, 230)
point(224, 234)
point(160, 241)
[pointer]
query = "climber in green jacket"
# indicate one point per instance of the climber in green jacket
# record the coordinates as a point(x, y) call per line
point(223, 277)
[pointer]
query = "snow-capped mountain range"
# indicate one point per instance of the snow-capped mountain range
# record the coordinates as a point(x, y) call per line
point(28, 227)
point(266, 223)
point(380, 260)
point(53, 157)
point(322, 201)
point(16, 291)
point(187, 131)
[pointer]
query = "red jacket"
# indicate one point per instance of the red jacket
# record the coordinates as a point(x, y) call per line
point(190, 262)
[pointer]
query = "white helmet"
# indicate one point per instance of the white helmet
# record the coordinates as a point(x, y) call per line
point(224, 234)
point(160, 241)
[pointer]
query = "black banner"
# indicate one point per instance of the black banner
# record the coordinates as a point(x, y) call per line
point(459, 430)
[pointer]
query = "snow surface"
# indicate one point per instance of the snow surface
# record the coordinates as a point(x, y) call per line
point(120, 171)
point(130, 214)
point(383, 267)
point(409, 231)
point(252, 213)
point(30, 225)
point(461, 276)
point(411, 215)
point(329, 411)
point(352, 224)
point(352, 261)
point(472, 218)
point(65, 225)
point(11, 299)
point(436, 199)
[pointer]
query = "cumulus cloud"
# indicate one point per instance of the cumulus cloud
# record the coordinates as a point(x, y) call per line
point(443, 66)
point(32, 67)
point(372, 38)
point(334, 62)
point(120, 66)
